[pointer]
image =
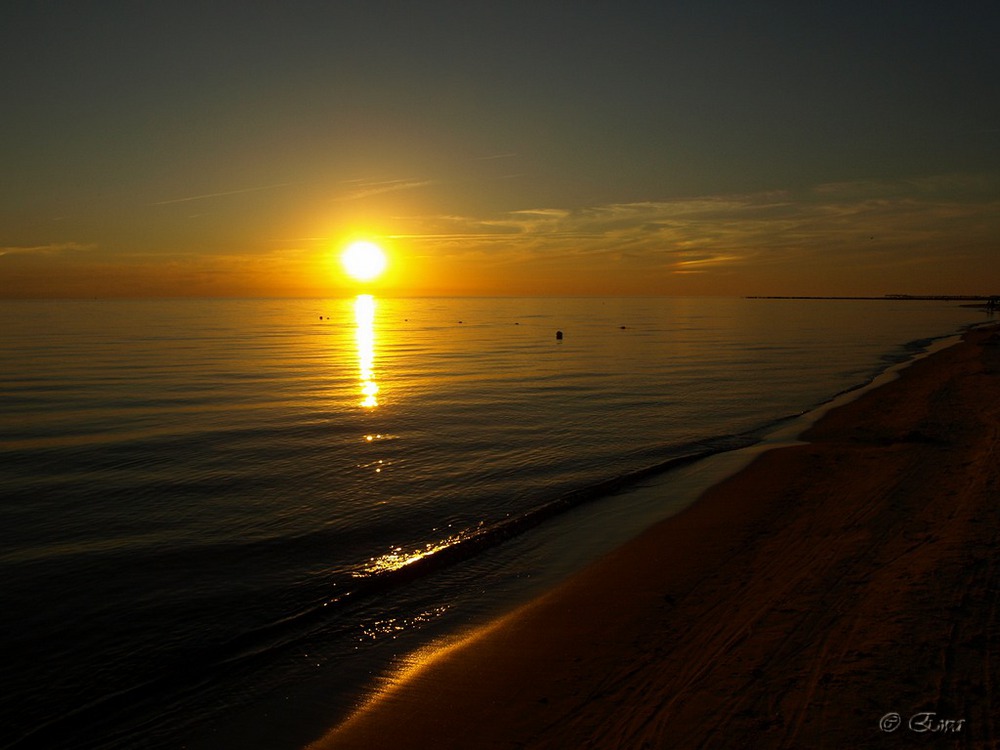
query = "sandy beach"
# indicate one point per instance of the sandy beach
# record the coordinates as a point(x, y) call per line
point(841, 593)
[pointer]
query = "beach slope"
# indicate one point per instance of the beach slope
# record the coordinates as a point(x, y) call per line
point(795, 605)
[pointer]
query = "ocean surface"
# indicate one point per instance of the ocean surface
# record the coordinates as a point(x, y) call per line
point(221, 521)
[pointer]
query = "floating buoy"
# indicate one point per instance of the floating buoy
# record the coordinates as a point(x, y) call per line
point(558, 335)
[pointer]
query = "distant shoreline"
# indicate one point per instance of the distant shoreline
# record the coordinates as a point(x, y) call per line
point(890, 297)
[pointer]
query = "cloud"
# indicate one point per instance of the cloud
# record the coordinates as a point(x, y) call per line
point(617, 222)
point(951, 184)
point(366, 188)
point(54, 248)
point(493, 157)
point(218, 195)
point(868, 223)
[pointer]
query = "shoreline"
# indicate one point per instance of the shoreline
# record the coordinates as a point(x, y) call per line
point(763, 615)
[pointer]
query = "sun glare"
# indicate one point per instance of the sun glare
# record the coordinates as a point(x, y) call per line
point(364, 261)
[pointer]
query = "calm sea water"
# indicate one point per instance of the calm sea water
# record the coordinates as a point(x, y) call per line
point(220, 519)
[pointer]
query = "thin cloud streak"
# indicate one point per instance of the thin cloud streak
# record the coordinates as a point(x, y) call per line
point(50, 249)
point(368, 189)
point(494, 157)
point(219, 195)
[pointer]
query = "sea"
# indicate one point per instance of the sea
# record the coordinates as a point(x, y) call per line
point(224, 523)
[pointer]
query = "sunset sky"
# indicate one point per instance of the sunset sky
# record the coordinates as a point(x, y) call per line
point(502, 148)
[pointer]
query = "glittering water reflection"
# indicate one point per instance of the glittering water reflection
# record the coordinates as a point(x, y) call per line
point(398, 557)
point(392, 627)
point(364, 316)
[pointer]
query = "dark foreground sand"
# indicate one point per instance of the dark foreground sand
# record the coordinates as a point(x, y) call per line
point(794, 605)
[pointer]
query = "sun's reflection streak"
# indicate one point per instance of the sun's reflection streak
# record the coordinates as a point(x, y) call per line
point(364, 316)
point(398, 557)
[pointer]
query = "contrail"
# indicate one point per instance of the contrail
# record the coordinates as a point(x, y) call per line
point(384, 186)
point(216, 195)
point(494, 156)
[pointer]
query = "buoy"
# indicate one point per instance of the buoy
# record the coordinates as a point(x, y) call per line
point(558, 335)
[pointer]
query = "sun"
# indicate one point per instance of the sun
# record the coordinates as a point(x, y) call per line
point(364, 261)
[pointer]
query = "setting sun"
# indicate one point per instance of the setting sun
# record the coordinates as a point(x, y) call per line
point(363, 260)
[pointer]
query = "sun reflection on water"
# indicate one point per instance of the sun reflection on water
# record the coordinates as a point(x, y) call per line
point(392, 627)
point(399, 558)
point(364, 316)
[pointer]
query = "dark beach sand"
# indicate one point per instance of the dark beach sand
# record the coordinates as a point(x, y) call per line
point(794, 605)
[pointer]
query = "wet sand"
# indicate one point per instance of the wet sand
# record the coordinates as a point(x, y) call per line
point(794, 605)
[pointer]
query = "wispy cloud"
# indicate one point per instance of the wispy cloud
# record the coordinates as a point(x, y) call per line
point(54, 248)
point(219, 194)
point(493, 157)
point(543, 213)
point(869, 223)
point(367, 188)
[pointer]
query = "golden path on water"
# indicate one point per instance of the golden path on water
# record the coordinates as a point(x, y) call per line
point(364, 316)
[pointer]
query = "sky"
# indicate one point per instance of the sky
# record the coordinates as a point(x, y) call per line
point(500, 148)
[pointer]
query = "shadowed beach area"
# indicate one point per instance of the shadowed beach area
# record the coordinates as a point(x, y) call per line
point(801, 603)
